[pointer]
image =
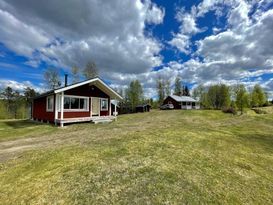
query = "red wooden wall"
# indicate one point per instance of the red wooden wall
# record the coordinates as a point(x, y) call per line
point(39, 104)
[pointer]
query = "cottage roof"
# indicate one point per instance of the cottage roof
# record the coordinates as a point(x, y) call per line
point(183, 98)
point(93, 81)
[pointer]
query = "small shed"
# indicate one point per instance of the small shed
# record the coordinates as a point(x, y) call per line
point(143, 108)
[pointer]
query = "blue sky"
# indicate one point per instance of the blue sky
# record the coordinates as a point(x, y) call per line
point(204, 42)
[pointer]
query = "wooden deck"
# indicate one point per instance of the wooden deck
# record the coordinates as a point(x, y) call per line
point(97, 119)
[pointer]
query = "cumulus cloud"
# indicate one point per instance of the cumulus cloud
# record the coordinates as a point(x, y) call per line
point(182, 42)
point(188, 27)
point(112, 34)
point(239, 51)
point(72, 33)
point(20, 37)
point(19, 86)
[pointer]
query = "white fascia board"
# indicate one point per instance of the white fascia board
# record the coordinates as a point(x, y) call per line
point(110, 89)
point(86, 82)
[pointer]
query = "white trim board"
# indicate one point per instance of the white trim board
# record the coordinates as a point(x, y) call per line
point(87, 82)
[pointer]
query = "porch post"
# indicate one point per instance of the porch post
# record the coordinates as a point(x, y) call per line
point(56, 109)
point(110, 108)
point(115, 108)
point(91, 105)
point(62, 108)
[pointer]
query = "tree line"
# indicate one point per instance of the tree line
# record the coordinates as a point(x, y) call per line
point(16, 105)
point(237, 97)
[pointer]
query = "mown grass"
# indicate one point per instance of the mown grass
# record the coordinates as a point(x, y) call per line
point(162, 157)
point(14, 129)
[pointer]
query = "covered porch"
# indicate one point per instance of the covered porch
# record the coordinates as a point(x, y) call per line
point(190, 105)
point(95, 120)
point(85, 103)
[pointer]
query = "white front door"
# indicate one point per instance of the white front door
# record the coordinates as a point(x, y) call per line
point(95, 110)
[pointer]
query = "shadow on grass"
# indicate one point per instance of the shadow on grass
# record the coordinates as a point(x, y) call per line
point(16, 124)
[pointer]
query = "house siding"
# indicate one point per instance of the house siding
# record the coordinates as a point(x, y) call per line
point(177, 105)
point(39, 104)
point(39, 110)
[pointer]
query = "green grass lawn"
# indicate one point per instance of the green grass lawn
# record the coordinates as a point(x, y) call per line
point(14, 129)
point(162, 157)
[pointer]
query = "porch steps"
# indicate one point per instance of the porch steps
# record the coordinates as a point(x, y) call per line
point(101, 120)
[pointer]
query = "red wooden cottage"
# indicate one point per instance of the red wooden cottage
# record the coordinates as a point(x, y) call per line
point(89, 100)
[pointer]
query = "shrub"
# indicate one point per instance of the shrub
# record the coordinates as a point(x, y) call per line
point(231, 110)
point(259, 111)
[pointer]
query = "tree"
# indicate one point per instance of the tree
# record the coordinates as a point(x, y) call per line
point(8, 95)
point(241, 97)
point(186, 91)
point(52, 78)
point(75, 74)
point(134, 93)
point(198, 92)
point(160, 84)
point(177, 86)
point(18, 106)
point(224, 96)
point(167, 85)
point(90, 70)
point(29, 93)
point(258, 97)
point(218, 96)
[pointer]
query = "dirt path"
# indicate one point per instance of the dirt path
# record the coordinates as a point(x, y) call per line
point(14, 148)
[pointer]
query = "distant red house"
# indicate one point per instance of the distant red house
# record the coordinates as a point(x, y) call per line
point(89, 100)
point(182, 102)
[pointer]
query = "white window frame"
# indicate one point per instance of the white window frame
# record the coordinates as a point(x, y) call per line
point(107, 105)
point(77, 110)
point(47, 98)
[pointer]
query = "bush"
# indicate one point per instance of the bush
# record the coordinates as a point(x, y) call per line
point(231, 110)
point(259, 111)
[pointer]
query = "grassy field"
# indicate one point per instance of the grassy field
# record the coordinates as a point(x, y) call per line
point(162, 157)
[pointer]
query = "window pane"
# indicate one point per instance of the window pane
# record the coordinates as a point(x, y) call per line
point(104, 104)
point(75, 103)
point(83, 104)
point(66, 103)
point(50, 103)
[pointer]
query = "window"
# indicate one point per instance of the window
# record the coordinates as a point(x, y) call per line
point(104, 104)
point(76, 103)
point(49, 103)
point(66, 103)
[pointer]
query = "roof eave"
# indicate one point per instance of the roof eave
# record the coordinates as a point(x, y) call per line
point(86, 82)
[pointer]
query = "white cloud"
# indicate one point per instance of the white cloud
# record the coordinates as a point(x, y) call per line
point(20, 37)
point(112, 34)
point(188, 21)
point(19, 86)
point(182, 42)
point(71, 33)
